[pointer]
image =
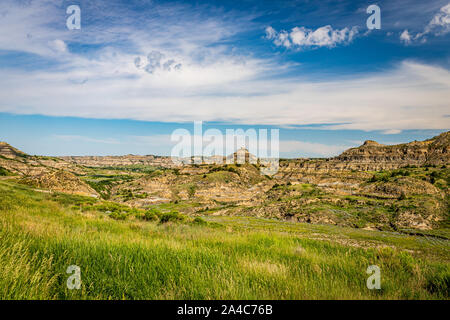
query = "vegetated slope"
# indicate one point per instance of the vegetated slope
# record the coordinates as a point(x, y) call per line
point(387, 200)
point(48, 173)
point(169, 257)
point(60, 181)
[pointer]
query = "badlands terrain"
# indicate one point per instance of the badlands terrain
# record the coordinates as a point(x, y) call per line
point(374, 186)
point(141, 227)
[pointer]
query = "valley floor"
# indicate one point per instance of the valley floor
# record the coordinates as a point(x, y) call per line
point(214, 257)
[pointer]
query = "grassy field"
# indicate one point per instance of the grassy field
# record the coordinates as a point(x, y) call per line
point(129, 256)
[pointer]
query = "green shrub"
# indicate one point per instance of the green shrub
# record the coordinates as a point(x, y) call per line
point(171, 217)
point(114, 210)
point(4, 172)
point(141, 195)
point(401, 173)
point(441, 184)
point(383, 176)
point(191, 190)
point(118, 215)
point(224, 168)
point(199, 221)
point(110, 207)
point(150, 215)
point(233, 170)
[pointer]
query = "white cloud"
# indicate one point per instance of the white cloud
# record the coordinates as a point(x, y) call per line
point(271, 33)
point(392, 131)
point(59, 45)
point(301, 37)
point(405, 37)
point(156, 61)
point(440, 22)
point(36, 24)
point(438, 25)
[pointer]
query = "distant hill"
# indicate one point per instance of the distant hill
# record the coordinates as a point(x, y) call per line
point(368, 157)
point(434, 151)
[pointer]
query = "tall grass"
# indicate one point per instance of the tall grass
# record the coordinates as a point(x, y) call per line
point(41, 235)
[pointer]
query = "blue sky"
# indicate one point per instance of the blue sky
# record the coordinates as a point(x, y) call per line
point(137, 70)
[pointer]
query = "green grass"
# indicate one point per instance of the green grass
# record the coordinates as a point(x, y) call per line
point(400, 192)
point(137, 168)
point(436, 175)
point(41, 234)
point(102, 183)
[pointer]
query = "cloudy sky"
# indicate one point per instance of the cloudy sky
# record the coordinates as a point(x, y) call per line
point(139, 69)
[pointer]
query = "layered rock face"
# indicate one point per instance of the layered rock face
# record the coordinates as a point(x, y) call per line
point(241, 156)
point(439, 149)
point(116, 161)
point(371, 156)
point(374, 156)
point(8, 151)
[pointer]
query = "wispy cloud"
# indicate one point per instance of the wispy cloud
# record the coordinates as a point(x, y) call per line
point(411, 96)
point(302, 148)
point(77, 138)
point(439, 25)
